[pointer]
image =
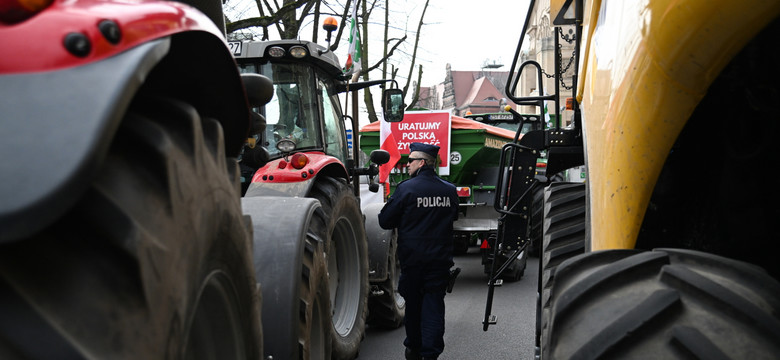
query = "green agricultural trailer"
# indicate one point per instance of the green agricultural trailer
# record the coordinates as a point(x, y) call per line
point(475, 149)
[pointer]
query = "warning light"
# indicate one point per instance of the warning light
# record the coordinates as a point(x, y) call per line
point(330, 24)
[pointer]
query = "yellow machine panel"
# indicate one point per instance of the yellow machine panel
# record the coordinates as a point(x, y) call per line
point(647, 65)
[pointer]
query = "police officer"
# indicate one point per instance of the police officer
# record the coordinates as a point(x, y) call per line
point(423, 209)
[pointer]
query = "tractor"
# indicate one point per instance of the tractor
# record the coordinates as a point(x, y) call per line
point(662, 251)
point(122, 234)
point(301, 152)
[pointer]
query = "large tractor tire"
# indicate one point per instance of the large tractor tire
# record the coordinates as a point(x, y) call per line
point(289, 259)
point(537, 221)
point(341, 225)
point(563, 238)
point(152, 263)
point(662, 304)
point(461, 242)
point(387, 308)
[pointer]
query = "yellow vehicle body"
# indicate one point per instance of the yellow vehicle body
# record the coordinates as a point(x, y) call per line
point(667, 250)
point(645, 67)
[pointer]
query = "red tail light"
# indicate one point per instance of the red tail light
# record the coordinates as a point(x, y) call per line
point(463, 191)
point(299, 160)
point(13, 11)
point(484, 245)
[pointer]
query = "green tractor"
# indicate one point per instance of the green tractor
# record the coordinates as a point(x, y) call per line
point(475, 148)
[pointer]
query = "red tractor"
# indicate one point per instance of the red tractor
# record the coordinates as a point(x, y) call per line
point(121, 228)
point(304, 154)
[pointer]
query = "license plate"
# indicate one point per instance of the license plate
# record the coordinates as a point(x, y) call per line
point(235, 47)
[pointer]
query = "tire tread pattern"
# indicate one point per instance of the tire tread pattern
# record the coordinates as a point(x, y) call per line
point(563, 238)
point(337, 201)
point(384, 310)
point(668, 302)
point(120, 276)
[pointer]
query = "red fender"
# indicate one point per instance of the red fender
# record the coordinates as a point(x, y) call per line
point(38, 43)
point(281, 171)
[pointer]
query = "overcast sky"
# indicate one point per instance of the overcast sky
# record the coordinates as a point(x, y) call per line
point(464, 33)
point(467, 33)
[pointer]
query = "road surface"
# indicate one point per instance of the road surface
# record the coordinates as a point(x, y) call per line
point(511, 338)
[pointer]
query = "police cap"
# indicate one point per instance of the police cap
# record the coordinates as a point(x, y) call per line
point(429, 149)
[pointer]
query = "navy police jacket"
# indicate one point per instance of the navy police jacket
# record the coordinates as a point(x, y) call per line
point(422, 209)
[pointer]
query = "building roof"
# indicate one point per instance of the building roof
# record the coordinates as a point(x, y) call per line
point(482, 93)
point(476, 86)
point(462, 91)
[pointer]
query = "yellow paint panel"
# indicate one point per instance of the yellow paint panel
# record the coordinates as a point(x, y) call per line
point(556, 6)
point(648, 65)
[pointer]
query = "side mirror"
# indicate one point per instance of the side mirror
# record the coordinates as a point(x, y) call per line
point(379, 156)
point(259, 89)
point(393, 105)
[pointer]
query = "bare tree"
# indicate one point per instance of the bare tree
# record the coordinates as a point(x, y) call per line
point(288, 18)
point(368, 98)
point(283, 17)
point(414, 57)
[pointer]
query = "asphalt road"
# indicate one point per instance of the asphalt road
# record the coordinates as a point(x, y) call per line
point(511, 338)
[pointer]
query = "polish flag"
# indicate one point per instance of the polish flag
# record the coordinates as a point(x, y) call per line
point(387, 142)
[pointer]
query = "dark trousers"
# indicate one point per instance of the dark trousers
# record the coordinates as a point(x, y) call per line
point(424, 290)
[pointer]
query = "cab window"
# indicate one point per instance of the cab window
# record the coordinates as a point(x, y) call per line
point(335, 136)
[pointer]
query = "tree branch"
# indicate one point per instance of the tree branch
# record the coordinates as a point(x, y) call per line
point(416, 43)
point(265, 21)
point(387, 56)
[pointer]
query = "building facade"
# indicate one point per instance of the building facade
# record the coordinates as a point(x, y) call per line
point(539, 46)
point(464, 92)
point(483, 91)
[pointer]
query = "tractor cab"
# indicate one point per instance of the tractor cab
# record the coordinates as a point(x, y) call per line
point(304, 111)
point(305, 130)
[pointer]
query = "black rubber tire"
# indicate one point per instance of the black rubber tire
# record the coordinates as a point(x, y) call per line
point(564, 238)
point(537, 222)
point(153, 262)
point(388, 309)
point(289, 259)
point(461, 244)
point(460, 247)
point(664, 304)
point(315, 323)
point(346, 252)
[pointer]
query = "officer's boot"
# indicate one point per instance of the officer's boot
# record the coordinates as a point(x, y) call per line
point(412, 354)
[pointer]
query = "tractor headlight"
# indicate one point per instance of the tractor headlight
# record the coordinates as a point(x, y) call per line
point(276, 52)
point(298, 52)
point(285, 145)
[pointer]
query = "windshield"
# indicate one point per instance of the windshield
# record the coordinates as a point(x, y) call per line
point(293, 112)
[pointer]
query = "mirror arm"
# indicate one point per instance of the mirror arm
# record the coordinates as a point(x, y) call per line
point(371, 171)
